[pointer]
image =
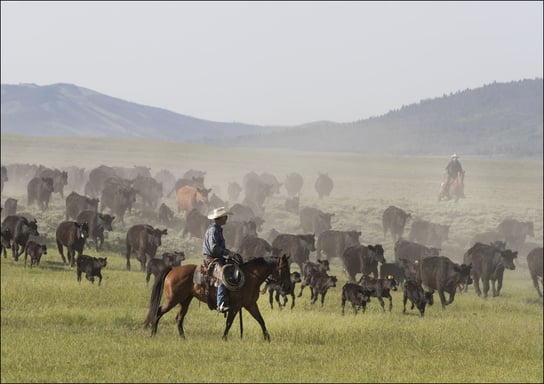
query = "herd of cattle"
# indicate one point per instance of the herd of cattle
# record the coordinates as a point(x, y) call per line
point(418, 268)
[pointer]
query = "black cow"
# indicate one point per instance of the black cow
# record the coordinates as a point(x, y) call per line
point(380, 288)
point(169, 259)
point(400, 270)
point(73, 236)
point(75, 203)
point(241, 213)
point(309, 269)
point(253, 247)
point(515, 232)
point(333, 243)
point(98, 223)
point(3, 177)
point(196, 224)
point(441, 274)
point(412, 251)
point(233, 191)
point(313, 220)
point(273, 287)
point(534, 262)
point(39, 190)
point(362, 259)
point(429, 234)
point(10, 207)
point(192, 181)
point(487, 237)
point(97, 179)
point(323, 185)
point(60, 178)
point(356, 295)
point(118, 197)
point(320, 284)
point(488, 263)
point(293, 184)
point(144, 240)
point(91, 266)
point(166, 215)
point(19, 231)
point(414, 292)
point(271, 180)
point(234, 232)
point(292, 204)
point(5, 241)
point(149, 189)
point(296, 247)
point(35, 251)
point(393, 220)
point(256, 191)
point(167, 179)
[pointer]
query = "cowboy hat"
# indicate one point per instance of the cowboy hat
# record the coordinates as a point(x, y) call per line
point(454, 156)
point(218, 212)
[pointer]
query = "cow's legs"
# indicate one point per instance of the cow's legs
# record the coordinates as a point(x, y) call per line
point(476, 280)
point(536, 285)
point(485, 283)
point(323, 298)
point(271, 298)
point(380, 299)
point(442, 298)
point(499, 287)
point(128, 257)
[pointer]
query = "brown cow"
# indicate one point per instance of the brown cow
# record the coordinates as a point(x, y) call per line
point(189, 198)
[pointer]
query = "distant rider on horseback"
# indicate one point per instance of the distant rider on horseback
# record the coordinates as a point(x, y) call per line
point(453, 169)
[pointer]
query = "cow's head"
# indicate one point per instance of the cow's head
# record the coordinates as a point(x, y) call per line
point(507, 258)
point(82, 230)
point(106, 221)
point(33, 228)
point(377, 253)
point(391, 283)
point(324, 265)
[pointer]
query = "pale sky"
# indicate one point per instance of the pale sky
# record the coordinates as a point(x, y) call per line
point(272, 63)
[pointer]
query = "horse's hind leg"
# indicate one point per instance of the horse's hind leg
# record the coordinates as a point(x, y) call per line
point(183, 308)
point(161, 310)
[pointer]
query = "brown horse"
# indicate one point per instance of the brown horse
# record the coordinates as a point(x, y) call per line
point(179, 288)
point(455, 190)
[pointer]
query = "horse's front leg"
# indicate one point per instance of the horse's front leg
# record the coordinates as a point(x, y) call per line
point(230, 319)
point(254, 310)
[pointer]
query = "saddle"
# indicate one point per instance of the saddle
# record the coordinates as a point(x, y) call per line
point(210, 274)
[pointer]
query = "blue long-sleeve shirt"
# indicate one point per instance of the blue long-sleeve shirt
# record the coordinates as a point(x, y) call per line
point(214, 242)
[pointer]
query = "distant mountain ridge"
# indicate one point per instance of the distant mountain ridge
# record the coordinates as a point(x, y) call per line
point(498, 119)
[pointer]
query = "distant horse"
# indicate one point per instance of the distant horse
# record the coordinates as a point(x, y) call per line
point(179, 288)
point(456, 189)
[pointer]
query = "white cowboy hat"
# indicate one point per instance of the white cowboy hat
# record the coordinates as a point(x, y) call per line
point(218, 212)
point(454, 156)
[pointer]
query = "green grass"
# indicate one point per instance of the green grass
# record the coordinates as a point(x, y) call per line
point(54, 329)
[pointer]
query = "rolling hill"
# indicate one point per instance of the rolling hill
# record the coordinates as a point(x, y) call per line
point(498, 119)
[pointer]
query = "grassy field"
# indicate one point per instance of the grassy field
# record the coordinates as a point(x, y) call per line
point(56, 330)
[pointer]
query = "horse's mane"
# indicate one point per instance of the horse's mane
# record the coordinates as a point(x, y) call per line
point(258, 261)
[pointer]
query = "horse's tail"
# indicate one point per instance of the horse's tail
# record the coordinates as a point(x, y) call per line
point(156, 295)
point(241, 324)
